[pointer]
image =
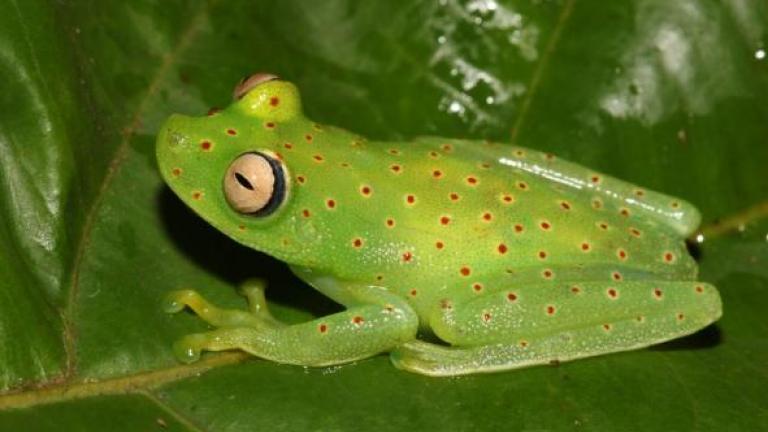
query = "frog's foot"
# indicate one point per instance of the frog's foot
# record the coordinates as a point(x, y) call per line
point(176, 301)
point(253, 289)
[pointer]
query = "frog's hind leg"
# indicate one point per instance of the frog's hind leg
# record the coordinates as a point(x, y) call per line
point(500, 332)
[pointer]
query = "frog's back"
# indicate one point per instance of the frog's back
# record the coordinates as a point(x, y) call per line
point(436, 214)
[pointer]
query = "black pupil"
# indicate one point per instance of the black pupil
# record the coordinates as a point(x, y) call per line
point(243, 181)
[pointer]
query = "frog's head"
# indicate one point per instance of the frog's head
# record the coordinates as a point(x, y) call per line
point(228, 168)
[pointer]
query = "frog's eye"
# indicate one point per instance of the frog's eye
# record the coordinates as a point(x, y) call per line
point(255, 184)
point(248, 83)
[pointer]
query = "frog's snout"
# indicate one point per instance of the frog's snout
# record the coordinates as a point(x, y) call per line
point(171, 139)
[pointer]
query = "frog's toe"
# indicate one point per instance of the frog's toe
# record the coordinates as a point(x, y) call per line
point(188, 348)
point(176, 301)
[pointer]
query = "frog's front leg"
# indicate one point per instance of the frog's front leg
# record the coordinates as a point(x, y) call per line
point(253, 289)
point(378, 322)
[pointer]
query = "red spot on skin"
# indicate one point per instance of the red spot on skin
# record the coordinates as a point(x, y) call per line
point(288, 146)
point(242, 227)
point(669, 257)
point(549, 156)
point(447, 148)
point(622, 254)
point(550, 310)
point(502, 248)
point(640, 318)
point(308, 138)
point(485, 165)
point(357, 320)
point(278, 155)
point(213, 111)
point(197, 195)
point(547, 274)
point(410, 199)
point(657, 293)
point(603, 226)
point(437, 174)
point(612, 293)
point(176, 172)
point(680, 317)
point(318, 158)
point(365, 190)
point(477, 287)
point(607, 327)
point(465, 271)
point(322, 328)
point(407, 256)
point(357, 243)
point(390, 223)
point(413, 292)
point(575, 289)
point(394, 151)
point(511, 297)
point(522, 185)
point(640, 193)
point(624, 212)
point(300, 179)
point(542, 255)
point(472, 181)
point(616, 276)
point(269, 125)
point(205, 145)
point(523, 344)
point(454, 196)
point(699, 289)
point(379, 278)
point(595, 179)
point(446, 304)
point(434, 154)
point(565, 205)
point(486, 317)
point(487, 217)
point(635, 232)
point(231, 132)
point(330, 203)
point(274, 101)
point(439, 244)
point(585, 247)
point(395, 168)
point(675, 204)
point(518, 228)
point(545, 225)
point(597, 204)
point(507, 198)
point(344, 165)
point(520, 153)
point(306, 213)
point(445, 220)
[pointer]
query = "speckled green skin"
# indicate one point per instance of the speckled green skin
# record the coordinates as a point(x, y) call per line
point(511, 256)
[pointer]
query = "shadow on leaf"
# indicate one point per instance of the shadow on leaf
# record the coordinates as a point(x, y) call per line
point(233, 262)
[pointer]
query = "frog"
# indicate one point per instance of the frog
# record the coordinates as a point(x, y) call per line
point(452, 256)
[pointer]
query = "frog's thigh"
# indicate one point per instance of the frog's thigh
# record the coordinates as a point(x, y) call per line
point(360, 332)
point(542, 324)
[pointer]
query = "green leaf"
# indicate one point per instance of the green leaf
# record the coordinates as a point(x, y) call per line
point(669, 95)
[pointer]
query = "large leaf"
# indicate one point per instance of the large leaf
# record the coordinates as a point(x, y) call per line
point(667, 94)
